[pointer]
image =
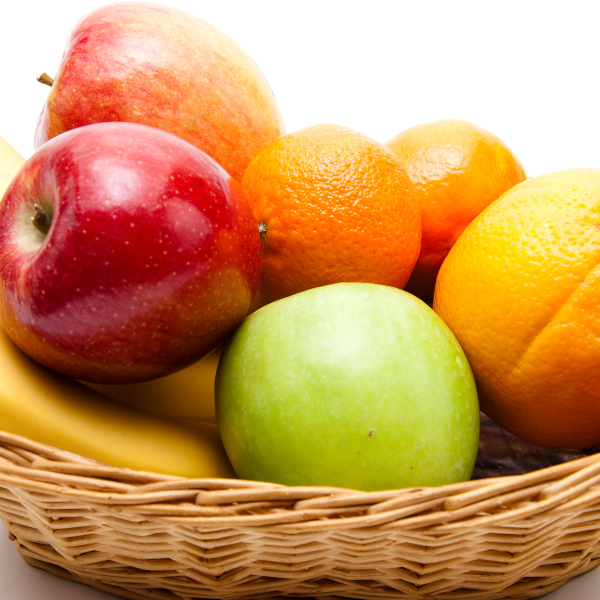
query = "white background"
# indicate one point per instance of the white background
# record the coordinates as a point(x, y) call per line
point(525, 70)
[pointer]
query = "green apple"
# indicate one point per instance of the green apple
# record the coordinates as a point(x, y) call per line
point(353, 385)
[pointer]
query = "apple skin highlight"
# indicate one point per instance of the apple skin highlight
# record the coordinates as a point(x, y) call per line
point(156, 65)
point(151, 260)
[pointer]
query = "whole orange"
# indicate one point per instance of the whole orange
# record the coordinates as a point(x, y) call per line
point(457, 169)
point(332, 205)
point(520, 289)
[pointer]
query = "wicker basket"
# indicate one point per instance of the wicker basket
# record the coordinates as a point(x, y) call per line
point(143, 535)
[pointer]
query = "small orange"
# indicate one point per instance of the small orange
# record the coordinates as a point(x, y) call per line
point(332, 205)
point(520, 289)
point(457, 169)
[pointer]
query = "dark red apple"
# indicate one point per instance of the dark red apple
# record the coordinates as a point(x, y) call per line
point(126, 254)
point(157, 65)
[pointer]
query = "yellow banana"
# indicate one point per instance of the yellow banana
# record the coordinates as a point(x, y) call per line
point(10, 162)
point(47, 407)
point(188, 394)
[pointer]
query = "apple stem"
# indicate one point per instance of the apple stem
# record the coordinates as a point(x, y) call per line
point(262, 229)
point(40, 219)
point(45, 78)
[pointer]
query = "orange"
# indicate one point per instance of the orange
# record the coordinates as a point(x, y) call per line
point(457, 169)
point(520, 289)
point(332, 205)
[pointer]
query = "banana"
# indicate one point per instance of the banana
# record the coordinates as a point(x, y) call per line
point(188, 394)
point(48, 407)
point(10, 162)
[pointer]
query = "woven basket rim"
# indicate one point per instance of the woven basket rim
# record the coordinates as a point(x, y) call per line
point(540, 529)
point(75, 476)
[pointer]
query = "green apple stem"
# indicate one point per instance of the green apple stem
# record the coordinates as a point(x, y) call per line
point(262, 229)
point(45, 78)
point(40, 219)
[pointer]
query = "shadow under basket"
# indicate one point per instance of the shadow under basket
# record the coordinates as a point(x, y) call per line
point(144, 535)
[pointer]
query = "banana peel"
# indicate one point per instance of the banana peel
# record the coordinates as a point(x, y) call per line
point(188, 394)
point(10, 162)
point(50, 408)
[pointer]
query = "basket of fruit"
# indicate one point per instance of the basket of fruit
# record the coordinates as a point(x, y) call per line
point(242, 364)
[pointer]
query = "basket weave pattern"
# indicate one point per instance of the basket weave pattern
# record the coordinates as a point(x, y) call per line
point(143, 535)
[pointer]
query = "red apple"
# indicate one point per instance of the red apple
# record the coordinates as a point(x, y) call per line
point(126, 254)
point(157, 65)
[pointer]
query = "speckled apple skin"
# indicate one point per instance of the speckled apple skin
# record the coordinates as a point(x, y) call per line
point(156, 65)
point(151, 260)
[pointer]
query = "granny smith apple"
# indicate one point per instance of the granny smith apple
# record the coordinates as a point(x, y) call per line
point(126, 254)
point(157, 65)
point(354, 385)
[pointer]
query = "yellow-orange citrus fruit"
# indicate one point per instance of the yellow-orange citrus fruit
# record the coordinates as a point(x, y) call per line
point(333, 205)
point(457, 169)
point(520, 289)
